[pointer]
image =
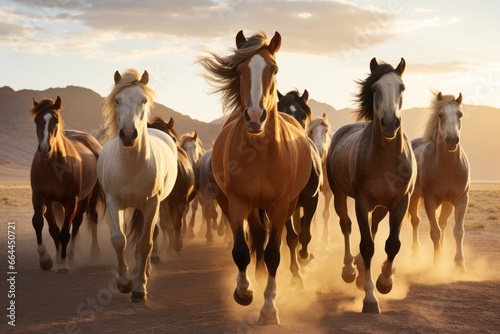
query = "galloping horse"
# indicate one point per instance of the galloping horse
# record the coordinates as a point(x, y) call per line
point(63, 171)
point(296, 106)
point(373, 162)
point(137, 168)
point(443, 177)
point(261, 158)
point(317, 131)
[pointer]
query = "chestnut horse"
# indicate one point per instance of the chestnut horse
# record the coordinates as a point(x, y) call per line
point(443, 177)
point(373, 162)
point(261, 158)
point(63, 172)
point(137, 168)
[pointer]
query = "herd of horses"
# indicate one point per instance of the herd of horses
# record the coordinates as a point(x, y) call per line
point(266, 170)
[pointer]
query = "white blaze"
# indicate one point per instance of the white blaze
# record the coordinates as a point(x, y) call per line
point(45, 139)
point(257, 65)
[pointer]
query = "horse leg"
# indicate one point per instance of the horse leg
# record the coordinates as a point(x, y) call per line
point(70, 210)
point(145, 244)
point(326, 212)
point(167, 228)
point(194, 208)
point(75, 227)
point(212, 218)
point(458, 231)
point(176, 210)
point(95, 251)
point(292, 240)
point(446, 210)
point(430, 209)
point(257, 220)
point(415, 221)
point(123, 281)
point(392, 245)
point(43, 256)
point(305, 231)
point(155, 256)
point(367, 249)
point(223, 228)
point(340, 202)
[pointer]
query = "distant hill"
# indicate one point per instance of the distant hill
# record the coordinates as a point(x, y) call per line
point(82, 110)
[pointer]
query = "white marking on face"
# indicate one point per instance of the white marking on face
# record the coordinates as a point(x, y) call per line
point(293, 109)
point(257, 65)
point(45, 140)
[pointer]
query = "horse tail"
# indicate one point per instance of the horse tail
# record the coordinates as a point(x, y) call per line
point(135, 227)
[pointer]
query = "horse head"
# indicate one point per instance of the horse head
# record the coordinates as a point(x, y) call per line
point(450, 120)
point(296, 106)
point(257, 82)
point(47, 120)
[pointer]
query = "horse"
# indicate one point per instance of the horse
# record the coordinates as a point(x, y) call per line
point(261, 159)
point(173, 207)
point(63, 171)
point(296, 106)
point(137, 168)
point(443, 177)
point(373, 162)
point(318, 131)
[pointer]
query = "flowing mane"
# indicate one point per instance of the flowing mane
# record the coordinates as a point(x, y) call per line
point(365, 94)
point(129, 78)
point(44, 106)
point(431, 116)
point(223, 71)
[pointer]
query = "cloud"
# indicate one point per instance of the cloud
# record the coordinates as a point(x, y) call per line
point(440, 68)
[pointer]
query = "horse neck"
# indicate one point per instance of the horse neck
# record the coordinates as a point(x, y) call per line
point(61, 146)
point(384, 147)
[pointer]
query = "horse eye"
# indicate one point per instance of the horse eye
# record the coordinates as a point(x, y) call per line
point(402, 88)
point(239, 72)
point(460, 114)
point(275, 71)
point(145, 101)
point(116, 101)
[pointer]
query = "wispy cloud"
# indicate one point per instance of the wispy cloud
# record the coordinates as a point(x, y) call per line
point(441, 68)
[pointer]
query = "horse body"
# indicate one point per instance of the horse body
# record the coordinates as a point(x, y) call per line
point(247, 156)
point(63, 171)
point(443, 177)
point(137, 168)
point(374, 163)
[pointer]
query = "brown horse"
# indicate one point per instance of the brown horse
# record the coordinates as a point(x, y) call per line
point(373, 163)
point(443, 177)
point(63, 172)
point(261, 158)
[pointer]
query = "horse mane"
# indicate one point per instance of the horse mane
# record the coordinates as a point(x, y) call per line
point(223, 71)
point(159, 123)
point(365, 94)
point(129, 77)
point(44, 106)
point(189, 137)
point(294, 95)
point(431, 115)
point(319, 121)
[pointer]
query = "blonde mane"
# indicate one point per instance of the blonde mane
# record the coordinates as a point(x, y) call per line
point(223, 71)
point(431, 116)
point(129, 77)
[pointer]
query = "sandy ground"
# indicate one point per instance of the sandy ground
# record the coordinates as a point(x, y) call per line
point(191, 292)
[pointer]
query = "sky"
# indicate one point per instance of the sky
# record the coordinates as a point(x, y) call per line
point(326, 46)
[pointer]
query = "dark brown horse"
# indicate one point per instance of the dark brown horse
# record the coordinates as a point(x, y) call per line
point(63, 172)
point(261, 159)
point(373, 163)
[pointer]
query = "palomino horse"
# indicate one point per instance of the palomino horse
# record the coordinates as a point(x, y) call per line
point(261, 158)
point(63, 172)
point(373, 162)
point(317, 131)
point(296, 106)
point(137, 168)
point(173, 207)
point(443, 177)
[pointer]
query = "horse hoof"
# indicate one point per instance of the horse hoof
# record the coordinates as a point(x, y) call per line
point(139, 297)
point(243, 301)
point(383, 288)
point(270, 319)
point(64, 271)
point(297, 283)
point(155, 259)
point(125, 288)
point(178, 244)
point(47, 265)
point(371, 307)
point(348, 275)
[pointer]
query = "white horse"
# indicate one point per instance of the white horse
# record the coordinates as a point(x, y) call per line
point(137, 168)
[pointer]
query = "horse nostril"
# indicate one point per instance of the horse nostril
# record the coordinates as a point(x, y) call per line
point(264, 115)
point(246, 115)
point(382, 121)
point(134, 134)
point(122, 134)
point(397, 123)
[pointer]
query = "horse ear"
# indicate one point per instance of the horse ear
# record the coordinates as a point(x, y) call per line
point(171, 123)
point(401, 67)
point(240, 39)
point(118, 77)
point(440, 96)
point(275, 43)
point(459, 99)
point(373, 64)
point(324, 116)
point(280, 96)
point(305, 95)
point(35, 103)
point(57, 104)
point(145, 78)
point(195, 136)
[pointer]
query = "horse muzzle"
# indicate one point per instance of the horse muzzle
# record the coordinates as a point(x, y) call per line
point(44, 152)
point(255, 120)
point(452, 143)
point(390, 128)
point(128, 137)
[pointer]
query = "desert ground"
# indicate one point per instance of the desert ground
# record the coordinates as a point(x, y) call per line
point(192, 291)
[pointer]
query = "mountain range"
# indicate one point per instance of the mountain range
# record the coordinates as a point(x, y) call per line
point(82, 111)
